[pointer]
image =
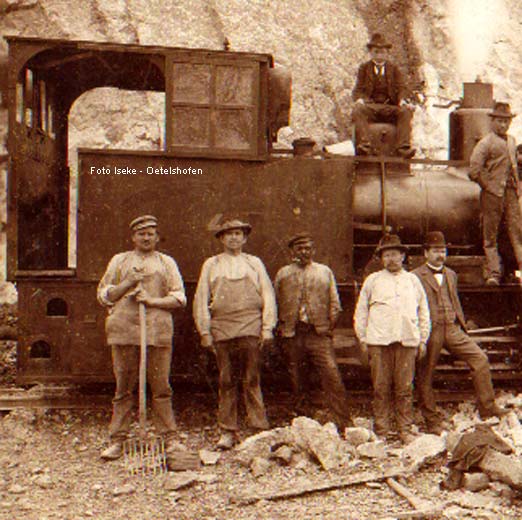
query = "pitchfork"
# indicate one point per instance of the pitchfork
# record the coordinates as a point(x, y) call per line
point(144, 456)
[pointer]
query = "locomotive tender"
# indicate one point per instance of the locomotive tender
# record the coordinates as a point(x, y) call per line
point(222, 113)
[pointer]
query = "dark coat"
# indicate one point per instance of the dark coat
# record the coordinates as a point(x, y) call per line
point(432, 287)
point(366, 79)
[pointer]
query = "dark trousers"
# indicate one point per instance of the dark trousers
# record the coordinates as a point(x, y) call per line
point(459, 344)
point(308, 347)
point(392, 369)
point(239, 359)
point(126, 362)
point(363, 114)
point(493, 208)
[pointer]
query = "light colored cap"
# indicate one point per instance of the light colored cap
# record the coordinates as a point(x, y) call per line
point(143, 221)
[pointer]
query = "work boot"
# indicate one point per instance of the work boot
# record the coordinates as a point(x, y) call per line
point(406, 437)
point(494, 411)
point(438, 428)
point(364, 149)
point(113, 452)
point(493, 281)
point(226, 441)
point(406, 152)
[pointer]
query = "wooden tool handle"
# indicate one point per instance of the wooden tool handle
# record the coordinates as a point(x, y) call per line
point(143, 371)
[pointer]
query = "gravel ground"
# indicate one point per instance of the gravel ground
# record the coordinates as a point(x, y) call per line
point(50, 469)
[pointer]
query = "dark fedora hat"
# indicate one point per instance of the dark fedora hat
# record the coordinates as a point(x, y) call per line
point(434, 239)
point(501, 109)
point(233, 224)
point(300, 238)
point(378, 40)
point(390, 242)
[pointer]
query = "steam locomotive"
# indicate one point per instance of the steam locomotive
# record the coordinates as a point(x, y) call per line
point(222, 112)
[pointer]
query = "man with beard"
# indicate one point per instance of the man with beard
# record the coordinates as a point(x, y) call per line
point(392, 323)
point(448, 330)
point(309, 306)
point(235, 312)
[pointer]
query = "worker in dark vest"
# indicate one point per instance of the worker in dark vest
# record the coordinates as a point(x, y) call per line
point(309, 306)
point(380, 96)
point(235, 313)
point(448, 330)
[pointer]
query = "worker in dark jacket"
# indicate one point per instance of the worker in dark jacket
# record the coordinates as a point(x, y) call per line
point(380, 96)
point(493, 165)
point(308, 305)
point(448, 330)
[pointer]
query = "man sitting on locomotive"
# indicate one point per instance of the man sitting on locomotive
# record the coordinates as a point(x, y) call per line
point(448, 330)
point(380, 96)
point(147, 276)
point(235, 313)
point(493, 165)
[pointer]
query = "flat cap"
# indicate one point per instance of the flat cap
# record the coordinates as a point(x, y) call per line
point(143, 221)
point(233, 224)
point(299, 239)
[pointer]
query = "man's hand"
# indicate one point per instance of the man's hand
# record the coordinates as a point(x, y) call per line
point(360, 101)
point(407, 104)
point(365, 358)
point(135, 276)
point(142, 296)
point(421, 351)
point(208, 343)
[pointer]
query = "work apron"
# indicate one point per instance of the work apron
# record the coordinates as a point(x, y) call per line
point(236, 309)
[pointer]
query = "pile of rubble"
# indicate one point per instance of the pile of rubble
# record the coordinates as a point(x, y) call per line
point(480, 460)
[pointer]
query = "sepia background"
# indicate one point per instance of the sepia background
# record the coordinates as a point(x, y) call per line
point(438, 43)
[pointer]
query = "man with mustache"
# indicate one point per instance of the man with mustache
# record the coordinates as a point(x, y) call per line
point(309, 306)
point(235, 312)
point(147, 276)
point(392, 323)
point(448, 330)
point(493, 165)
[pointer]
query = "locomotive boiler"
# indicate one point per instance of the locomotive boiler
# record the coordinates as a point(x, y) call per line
point(222, 113)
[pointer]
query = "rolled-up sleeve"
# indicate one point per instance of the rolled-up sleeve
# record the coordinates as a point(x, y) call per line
point(175, 285)
point(110, 279)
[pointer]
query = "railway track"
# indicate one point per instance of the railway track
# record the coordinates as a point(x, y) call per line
point(69, 397)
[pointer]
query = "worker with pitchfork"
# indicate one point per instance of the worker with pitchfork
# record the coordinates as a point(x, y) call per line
point(143, 275)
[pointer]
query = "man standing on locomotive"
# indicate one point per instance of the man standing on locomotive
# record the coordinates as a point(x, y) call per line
point(392, 323)
point(235, 313)
point(309, 305)
point(493, 165)
point(147, 276)
point(380, 96)
point(448, 330)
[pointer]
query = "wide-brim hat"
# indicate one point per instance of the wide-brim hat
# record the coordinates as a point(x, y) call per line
point(378, 40)
point(142, 222)
point(390, 242)
point(233, 224)
point(434, 239)
point(501, 109)
point(300, 238)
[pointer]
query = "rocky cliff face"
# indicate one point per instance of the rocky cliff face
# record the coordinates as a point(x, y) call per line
point(438, 44)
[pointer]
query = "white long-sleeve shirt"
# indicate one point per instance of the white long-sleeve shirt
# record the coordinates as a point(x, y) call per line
point(392, 307)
